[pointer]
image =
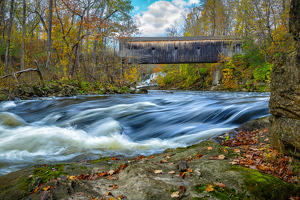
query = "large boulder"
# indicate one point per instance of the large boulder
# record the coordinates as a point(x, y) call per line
point(294, 22)
point(285, 104)
point(285, 94)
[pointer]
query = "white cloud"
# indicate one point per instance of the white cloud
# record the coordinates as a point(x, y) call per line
point(159, 16)
point(136, 8)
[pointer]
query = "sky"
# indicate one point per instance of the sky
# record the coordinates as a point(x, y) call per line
point(153, 17)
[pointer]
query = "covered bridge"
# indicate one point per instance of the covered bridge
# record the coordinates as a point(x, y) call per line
point(171, 50)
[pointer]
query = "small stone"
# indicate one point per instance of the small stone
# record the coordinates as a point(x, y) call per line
point(182, 166)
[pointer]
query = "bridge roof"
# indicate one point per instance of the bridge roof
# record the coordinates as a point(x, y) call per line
point(194, 38)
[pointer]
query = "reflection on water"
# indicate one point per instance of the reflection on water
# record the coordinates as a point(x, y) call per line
point(70, 129)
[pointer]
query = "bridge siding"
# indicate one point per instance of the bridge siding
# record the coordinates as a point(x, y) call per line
point(189, 51)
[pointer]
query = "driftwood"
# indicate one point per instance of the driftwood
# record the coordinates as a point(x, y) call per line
point(24, 71)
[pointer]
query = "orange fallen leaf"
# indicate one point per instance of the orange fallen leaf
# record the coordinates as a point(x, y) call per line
point(189, 170)
point(237, 150)
point(199, 156)
point(114, 158)
point(120, 196)
point(107, 194)
point(209, 188)
point(112, 187)
point(92, 198)
point(209, 148)
point(175, 194)
point(182, 189)
point(150, 157)
point(224, 150)
point(182, 174)
point(46, 188)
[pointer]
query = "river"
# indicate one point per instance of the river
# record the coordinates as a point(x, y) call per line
point(53, 130)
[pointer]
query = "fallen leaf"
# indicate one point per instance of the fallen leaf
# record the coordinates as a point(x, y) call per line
point(221, 185)
point(189, 170)
point(182, 174)
point(114, 158)
point(209, 148)
point(111, 178)
point(182, 189)
point(224, 150)
point(171, 163)
point(171, 172)
point(237, 150)
point(46, 188)
point(158, 171)
point(150, 157)
point(120, 196)
point(175, 194)
point(221, 157)
point(111, 172)
point(214, 158)
point(71, 177)
point(167, 156)
point(79, 194)
point(209, 188)
point(163, 161)
point(112, 187)
point(107, 194)
point(199, 156)
point(92, 198)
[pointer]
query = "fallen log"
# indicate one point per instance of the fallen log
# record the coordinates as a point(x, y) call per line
point(24, 71)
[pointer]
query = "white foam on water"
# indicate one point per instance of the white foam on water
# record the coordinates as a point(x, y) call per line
point(5, 105)
point(52, 143)
point(117, 111)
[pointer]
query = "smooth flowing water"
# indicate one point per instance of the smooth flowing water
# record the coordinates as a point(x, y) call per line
point(71, 129)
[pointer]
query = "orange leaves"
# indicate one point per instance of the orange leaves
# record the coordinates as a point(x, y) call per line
point(261, 156)
point(248, 138)
point(219, 157)
point(208, 148)
point(94, 176)
point(198, 156)
point(46, 188)
point(112, 187)
point(209, 188)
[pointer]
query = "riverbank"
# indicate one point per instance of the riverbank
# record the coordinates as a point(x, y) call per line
point(64, 89)
point(236, 165)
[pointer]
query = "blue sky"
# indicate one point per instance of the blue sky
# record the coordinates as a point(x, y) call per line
point(153, 17)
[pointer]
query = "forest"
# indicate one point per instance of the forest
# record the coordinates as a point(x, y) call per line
point(76, 42)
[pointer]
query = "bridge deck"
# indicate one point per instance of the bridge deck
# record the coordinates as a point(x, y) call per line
point(166, 50)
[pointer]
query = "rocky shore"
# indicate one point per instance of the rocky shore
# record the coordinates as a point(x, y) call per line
point(236, 165)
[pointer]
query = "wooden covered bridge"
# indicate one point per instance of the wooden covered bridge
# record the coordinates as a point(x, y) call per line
point(171, 50)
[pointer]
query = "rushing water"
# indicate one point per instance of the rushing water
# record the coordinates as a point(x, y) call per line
point(85, 127)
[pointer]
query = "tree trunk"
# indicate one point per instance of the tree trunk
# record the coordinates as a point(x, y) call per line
point(23, 36)
point(76, 60)
point(2, 20)
point(11, 16)
point(49, 41)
